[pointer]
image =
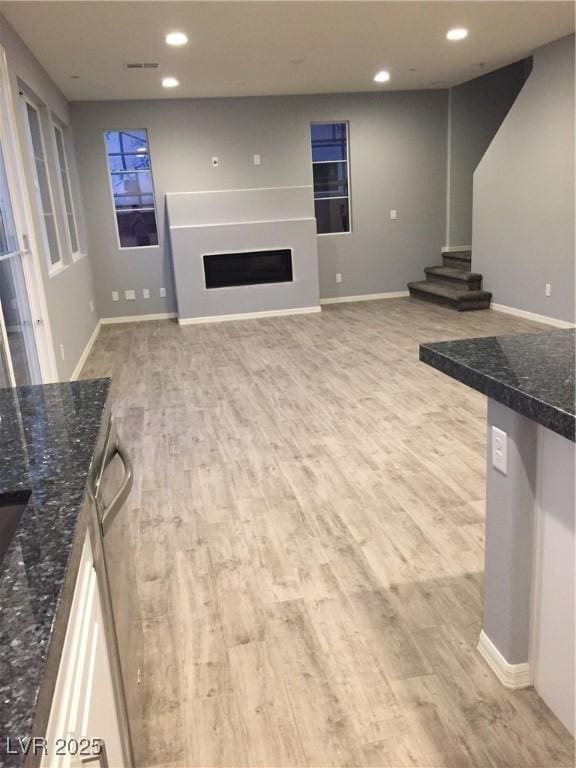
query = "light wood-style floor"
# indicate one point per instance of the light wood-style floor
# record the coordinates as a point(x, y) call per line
point(309, 515)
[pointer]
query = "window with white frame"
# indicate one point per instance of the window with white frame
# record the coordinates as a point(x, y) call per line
point(330, 166)
point(132, 187)
point(43, 188)
point(66, 189)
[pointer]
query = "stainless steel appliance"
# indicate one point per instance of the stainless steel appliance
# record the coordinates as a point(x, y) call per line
point(109, 489)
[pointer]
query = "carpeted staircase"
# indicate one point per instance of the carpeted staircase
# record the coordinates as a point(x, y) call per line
point(452, 284)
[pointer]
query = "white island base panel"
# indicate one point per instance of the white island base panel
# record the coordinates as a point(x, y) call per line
point(553, 641)
point(530, 572)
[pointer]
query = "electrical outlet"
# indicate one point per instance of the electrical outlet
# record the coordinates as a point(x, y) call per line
point(338, 277)
point(256, 159)
point(145, 293)
point(162, 293)
point(215, 162)
point(393, 213)
point(115, 296)
point(92, 307)
point(62, 352)
point(500, 450)
point(548, 289)
point(129, 294)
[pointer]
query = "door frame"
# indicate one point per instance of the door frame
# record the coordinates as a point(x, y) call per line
point(27, 240)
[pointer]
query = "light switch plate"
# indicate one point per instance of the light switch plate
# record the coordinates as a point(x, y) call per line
point(393, 213)
point(256, 159)
point(130, 294)
point(145, 293)
point(162, 293)
point(500, 450)
point(115, 296)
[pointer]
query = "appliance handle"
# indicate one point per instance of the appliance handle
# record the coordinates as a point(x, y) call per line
point(109, 513)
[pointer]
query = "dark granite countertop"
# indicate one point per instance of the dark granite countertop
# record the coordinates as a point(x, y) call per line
point(48, 436)
point(531, 373)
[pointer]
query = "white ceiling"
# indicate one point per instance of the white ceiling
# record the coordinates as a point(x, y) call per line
point(256, 48)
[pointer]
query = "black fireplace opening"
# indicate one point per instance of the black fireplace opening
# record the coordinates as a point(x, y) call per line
point(248, 268)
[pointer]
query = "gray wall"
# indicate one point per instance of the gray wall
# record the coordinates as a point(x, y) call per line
point(523, 223)
point(68, 294)
point(477, 109)
point(509, 541)
point(398, 160)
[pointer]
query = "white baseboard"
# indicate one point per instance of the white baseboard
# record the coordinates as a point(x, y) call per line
point(531, 316)
point(455, 248)
point(87, 350)
point(248, 315)
point(365, 297)
point(513, 676)
point(137, 318)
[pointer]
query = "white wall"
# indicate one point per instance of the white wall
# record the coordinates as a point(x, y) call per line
point(397, 156)
point(553, 605)
point(69, 292)
point(523, 216)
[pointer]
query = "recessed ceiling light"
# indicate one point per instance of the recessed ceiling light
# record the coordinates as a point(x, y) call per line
point(458, 33)
point(176, 38)
point(382, 77)
point(170, 82)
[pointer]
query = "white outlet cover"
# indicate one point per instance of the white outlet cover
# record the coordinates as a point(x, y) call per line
point(500, 450)
point(393, 213)
point(145, 293)
point(115, 296)
point(257, 160)
point(548, 290)
point(129, 294)
point(338, 277)
point(162, 293)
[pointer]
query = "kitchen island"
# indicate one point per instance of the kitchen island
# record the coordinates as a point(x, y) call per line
point(50, 437)
point(528, 629)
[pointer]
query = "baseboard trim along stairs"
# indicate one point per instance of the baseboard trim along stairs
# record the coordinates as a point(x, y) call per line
point(453, 284)
point(513, 676)
point(546, 319)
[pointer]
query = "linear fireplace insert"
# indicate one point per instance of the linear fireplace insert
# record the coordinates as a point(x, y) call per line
point(248, 268)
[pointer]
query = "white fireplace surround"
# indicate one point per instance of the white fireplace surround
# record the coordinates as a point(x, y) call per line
point(234, 221)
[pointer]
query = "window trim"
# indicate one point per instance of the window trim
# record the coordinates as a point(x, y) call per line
point(56, 126)
point(54, 267)
point(348, 175)
point(111, 190)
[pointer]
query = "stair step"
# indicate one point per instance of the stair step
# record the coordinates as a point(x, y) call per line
point(450, 296)
point(459, 253)
point(470, 281)
point(458, 260)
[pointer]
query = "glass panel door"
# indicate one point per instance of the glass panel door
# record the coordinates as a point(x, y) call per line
point(18, 355)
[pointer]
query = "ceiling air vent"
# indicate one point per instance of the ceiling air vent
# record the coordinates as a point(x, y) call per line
point(142, 65)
